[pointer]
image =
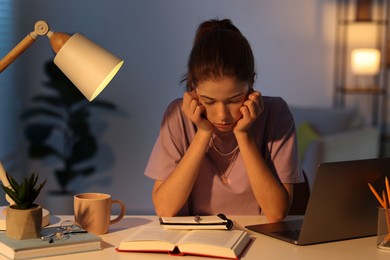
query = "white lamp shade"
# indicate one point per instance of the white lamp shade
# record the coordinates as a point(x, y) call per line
point(87, 65)
point(365, 61)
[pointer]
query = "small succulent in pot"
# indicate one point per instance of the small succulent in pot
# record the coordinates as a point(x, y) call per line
point(24, 217)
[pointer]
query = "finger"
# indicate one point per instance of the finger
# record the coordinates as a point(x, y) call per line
point(252, 107)
point(256, 97)
point(245, 112)
point(194, 94)
point(189, 103)
point(190, 108)
point(193, 109)
point(188, 96)
point(186, 100)
point(198, 112)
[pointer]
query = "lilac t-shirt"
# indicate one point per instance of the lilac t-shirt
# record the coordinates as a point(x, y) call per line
point(275, 136)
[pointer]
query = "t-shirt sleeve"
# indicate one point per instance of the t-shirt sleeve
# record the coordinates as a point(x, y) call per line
point(171, 143)
point(281, 152)
point(284, 151)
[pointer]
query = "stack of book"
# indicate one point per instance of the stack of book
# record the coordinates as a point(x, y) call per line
point(37, 247)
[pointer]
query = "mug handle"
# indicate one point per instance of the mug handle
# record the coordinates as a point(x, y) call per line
point(123, 211)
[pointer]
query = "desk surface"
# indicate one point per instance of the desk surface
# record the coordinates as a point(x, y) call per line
point(263, 247)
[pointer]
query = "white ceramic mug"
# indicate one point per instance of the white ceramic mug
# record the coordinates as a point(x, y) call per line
point(92, 211)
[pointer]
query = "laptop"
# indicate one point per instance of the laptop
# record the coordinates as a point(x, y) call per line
point(341, 205)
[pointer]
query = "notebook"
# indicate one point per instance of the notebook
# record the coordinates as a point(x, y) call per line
point(341, 205)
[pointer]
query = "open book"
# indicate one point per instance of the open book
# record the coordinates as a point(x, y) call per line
point(212, 243)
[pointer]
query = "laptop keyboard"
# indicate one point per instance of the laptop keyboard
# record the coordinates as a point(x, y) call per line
point(291, 233)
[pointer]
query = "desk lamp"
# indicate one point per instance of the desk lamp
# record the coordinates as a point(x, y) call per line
point(87, 65)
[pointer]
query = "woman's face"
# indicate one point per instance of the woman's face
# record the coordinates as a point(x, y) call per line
point(222, 99)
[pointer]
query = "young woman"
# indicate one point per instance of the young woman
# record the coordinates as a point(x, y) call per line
point(223, 148)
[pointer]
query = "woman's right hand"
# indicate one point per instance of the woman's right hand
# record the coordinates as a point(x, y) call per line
point(195, 111)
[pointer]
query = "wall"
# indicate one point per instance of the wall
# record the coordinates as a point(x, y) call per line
point(292, 42)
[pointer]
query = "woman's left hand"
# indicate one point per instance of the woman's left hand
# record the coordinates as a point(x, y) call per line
point(250, 110)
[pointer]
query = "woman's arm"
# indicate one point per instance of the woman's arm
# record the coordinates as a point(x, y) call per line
point(273, 197)
point(170, 195)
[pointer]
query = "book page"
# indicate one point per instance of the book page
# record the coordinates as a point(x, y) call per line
point(218, 243)
point(155, 233)
point(221, 238)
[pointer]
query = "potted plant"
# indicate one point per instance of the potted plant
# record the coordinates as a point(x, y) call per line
point(23, 218)
point(58, 126)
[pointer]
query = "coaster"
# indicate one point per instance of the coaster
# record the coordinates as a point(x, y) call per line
point(45, 217)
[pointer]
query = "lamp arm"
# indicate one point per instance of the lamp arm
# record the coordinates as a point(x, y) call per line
point(4, 180)
point(40, 28)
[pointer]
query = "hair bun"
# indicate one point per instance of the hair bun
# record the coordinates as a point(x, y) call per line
point(214, 24)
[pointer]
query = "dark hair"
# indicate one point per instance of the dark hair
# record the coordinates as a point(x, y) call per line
point(219, 50)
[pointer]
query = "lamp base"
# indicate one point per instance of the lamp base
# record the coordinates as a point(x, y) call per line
point(45, 217)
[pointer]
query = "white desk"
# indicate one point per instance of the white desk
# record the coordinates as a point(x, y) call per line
point(263, 247)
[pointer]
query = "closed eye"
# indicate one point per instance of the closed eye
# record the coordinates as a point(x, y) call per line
point(208, 101)
point(233, 100)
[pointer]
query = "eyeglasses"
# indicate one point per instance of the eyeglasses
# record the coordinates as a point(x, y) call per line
point(63, 232)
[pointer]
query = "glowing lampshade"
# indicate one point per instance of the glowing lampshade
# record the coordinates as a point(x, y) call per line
point(365, 61)
point(87, 65)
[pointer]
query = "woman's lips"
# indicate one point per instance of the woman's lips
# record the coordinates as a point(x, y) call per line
point(223, 126)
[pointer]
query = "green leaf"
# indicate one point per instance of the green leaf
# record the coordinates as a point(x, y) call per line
point(15, 186)
point(11, 193)
point(23, 194)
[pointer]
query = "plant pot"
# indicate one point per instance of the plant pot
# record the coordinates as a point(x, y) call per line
point(23, 223)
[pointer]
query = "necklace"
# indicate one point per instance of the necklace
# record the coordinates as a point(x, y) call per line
point(220, 152)
point(224, 174)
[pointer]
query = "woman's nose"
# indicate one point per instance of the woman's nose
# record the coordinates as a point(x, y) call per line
point(222, 112)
